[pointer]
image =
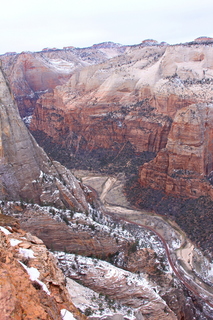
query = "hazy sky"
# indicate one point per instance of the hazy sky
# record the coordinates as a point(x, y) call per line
point(31, 25)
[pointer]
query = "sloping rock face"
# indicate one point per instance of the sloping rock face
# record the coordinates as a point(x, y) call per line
point(126, 246)
point(119, 284)
point(186, 162)
point(26, 171)
point(32, 286)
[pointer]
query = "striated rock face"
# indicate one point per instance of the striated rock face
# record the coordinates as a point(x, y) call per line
point(32, 74)
point(57, 235)
point(183, 166)
point(32, 286)
point(132, 98)
point(90, 105)
point(26, 171)
point(104, 101)
point(119, 284)
point(144, 98)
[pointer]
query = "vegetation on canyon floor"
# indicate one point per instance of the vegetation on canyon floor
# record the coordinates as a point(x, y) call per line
point(194, 216)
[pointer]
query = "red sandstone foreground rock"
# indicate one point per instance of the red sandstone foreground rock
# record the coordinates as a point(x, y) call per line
point(32, 286)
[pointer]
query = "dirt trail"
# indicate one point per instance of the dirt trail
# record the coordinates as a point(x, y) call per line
point(109, 183)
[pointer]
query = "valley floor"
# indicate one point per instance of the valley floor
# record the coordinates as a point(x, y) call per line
point(187, 262)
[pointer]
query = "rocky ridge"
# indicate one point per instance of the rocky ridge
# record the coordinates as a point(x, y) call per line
point(26, 171)
point(124, 246)
point(32, 286)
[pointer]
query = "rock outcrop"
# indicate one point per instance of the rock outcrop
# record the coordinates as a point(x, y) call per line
point(32, 74)
point(32, 286)
point(117, 284)
point(183, 167)
point(26, 171)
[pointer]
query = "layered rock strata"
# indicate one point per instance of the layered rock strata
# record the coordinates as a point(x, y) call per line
point(136, 99)
point(113, 97)
point(118, 284)
point(159, 74)
point(31, 74)
point(32, 286)
point(183, 167)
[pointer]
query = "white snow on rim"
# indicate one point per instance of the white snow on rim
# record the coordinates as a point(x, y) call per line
point(5, 230)
point(67, 315)
point(27, 253)
point(14, 242)
point(34, 275)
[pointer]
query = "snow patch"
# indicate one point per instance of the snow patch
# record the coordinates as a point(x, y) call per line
point(34, 275)
point(5, 230)
point(60, 65)
point(67, 315)
point(27, 253)
point(27, 120)
point(14, 242)
point(41, 174)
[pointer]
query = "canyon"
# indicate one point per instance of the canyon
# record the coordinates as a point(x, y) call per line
point(138, 119)
point(140, 101)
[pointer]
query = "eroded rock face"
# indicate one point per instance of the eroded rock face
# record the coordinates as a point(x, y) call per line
point(26, 171)
point(58, 236)
point(127, 246)
point(114, 97)
point(119, 284)
point(102, 101)
point(183, 166)
point(134, 99)
point(31, 74)
point(32, 286)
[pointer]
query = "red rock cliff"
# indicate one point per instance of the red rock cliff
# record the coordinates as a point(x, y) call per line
point(130, 98)
point(183, 166)
point(32, 286)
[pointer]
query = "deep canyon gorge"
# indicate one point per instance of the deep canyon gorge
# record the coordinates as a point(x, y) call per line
point(106, 160)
